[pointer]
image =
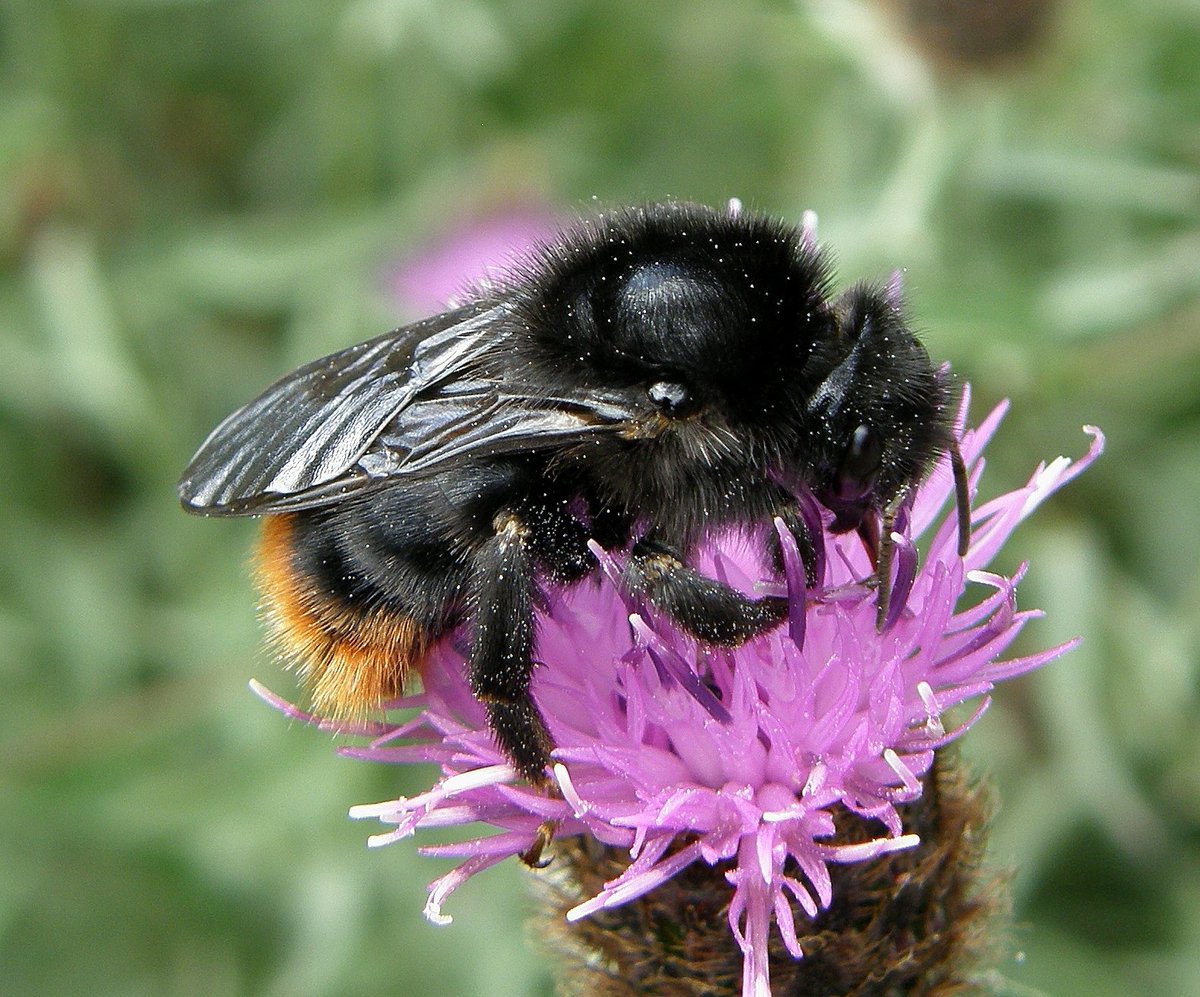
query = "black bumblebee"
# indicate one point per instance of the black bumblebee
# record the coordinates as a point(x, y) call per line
point(652, 375)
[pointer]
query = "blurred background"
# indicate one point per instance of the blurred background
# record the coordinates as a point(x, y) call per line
point(196, 196)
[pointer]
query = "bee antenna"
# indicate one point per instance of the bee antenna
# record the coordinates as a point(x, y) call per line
point(883, 566)
point(962, 498)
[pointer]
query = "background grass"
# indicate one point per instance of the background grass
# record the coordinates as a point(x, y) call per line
point(195, 196)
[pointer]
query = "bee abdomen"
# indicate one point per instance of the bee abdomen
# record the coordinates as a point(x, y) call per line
point(351, 659)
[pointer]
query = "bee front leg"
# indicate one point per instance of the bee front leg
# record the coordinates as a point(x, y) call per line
point(812, 556)
point(707, 609)
point(501, 653)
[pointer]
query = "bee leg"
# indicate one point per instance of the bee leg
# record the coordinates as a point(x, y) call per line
point(501, 653)
point(810, 556)
point(883, 568)
point(962, 498)
point(707, 609)
point(534, 855)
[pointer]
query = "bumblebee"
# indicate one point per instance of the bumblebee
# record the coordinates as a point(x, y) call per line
point(653, 375)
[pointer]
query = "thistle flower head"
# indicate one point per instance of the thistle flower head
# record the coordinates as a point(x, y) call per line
point(735, 758)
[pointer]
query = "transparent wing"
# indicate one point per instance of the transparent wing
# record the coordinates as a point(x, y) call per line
point(400, 404)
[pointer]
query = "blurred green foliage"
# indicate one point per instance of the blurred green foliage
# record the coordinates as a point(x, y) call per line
point(195, 196)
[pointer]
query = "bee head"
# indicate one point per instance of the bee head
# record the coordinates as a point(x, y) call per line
point(879, 417)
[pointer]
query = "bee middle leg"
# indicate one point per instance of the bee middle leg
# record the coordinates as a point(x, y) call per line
point(501, 653)
point(707, 609)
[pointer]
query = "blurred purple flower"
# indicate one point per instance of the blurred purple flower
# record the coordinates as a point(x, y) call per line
point(736, 758)
point(481, 251)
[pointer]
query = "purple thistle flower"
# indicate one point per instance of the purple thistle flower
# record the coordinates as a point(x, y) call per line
point(734, 758)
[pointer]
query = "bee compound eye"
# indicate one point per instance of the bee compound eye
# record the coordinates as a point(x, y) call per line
point(861, 463)
point(671, 397)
